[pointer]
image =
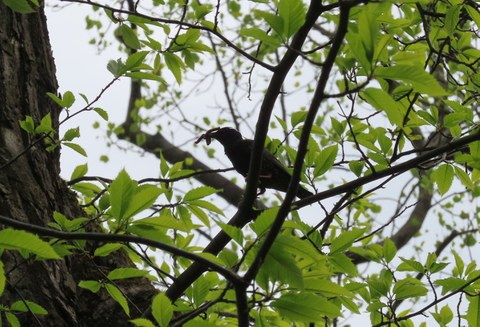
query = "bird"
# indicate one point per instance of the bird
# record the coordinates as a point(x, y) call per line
point(273, 175)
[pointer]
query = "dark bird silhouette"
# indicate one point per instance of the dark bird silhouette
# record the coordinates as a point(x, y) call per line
point(273, 174)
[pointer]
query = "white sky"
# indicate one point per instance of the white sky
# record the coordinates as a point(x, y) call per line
point(81, 69)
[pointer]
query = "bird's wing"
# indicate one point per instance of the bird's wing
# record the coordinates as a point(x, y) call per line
point(270, 162)
point(273, 173)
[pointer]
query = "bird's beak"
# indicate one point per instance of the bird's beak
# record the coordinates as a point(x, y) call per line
point(208, 136)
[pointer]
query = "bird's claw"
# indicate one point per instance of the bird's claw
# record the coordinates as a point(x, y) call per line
point(207, 136)
point(261, 190)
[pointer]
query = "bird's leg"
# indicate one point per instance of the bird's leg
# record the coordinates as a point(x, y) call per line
point(260, 188)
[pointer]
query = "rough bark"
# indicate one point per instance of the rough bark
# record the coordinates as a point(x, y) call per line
point(31, 190)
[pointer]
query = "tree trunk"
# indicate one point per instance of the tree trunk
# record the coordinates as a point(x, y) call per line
point(31, 190)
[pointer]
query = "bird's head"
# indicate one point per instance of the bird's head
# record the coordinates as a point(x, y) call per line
point(225, 135)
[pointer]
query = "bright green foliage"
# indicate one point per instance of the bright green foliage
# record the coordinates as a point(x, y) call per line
point(117, 295)
point(11, 239)
point(2, 278)
point(385, 94)
point(79, 171)
point(127, 198)
point(443, 317)
point(28, 306)
point(443, 176)
point(473, 313)
point(162, 310)
point(21, 6)
point(305, 307)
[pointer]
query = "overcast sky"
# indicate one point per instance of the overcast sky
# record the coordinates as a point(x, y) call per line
point(82, 69)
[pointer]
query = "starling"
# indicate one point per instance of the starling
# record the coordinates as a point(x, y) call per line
point(272, 173)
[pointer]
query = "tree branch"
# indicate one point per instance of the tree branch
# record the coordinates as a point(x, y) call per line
point(112, 238)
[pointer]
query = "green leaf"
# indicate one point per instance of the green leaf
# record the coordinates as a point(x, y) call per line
point(382, 101)
point(198, 193)
point(91, 285)
point(274, 21)
point(459, 263)
point(201, 10)
point(102, 113)
point(389, 250)
point(326, 287)
point(385, 143)
point(411, 265)
point(144, 197)
point(293, 14)
point(106, 249)
point(264, 221)
point(175, 65)
point(27, 125)
point(345, 240)
point(379, 286)
point(76, 148)
point(28, 306)
point(473, 311)
point(261, 35)
point(408, 288)
point(427, 117)
point(55, 98)
point(474, 14)
point(3, 279)
point(306, 307)
point(79, 171)
point(280, 265)
point(450, 284)
point(117, 295)
point(12, 319)
point(162, 309)
point(443, 176)
point(464, 178)
point(20, 6)
point(368, 31)
point(200, 290)
point(325, 160)
point(124, 273)
point(167, 222)
point(130, 37)
point(357, 49)
point(68, 99)
point(12, 239)
point(356, 167)
point(45, 125)
point(121, 191)
point(116, 67)
point(135, 60)
point(207, 205)
point(234, 232)
point(145, 75)
point(301, 249)
point(444, 317)
point(298, 117)
point(71, 134)
point(343, 264)
point(200, 214)
point(451, 19)
point(419, 79)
